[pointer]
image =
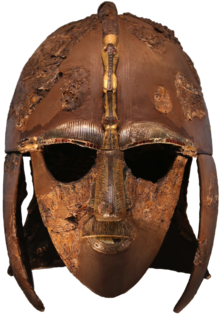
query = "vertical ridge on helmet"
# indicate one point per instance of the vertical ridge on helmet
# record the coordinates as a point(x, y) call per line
point(107, 12)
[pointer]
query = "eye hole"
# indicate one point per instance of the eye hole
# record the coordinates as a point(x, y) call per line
point(68, 162)
point(150, 162)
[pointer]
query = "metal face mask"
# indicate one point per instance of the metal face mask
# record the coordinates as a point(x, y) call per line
point(111, 112)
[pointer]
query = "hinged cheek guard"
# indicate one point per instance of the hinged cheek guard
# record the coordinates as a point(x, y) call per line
point(111, 123)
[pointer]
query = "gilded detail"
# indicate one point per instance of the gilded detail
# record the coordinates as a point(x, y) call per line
point(109, 232)
point(110, 202)
point(42, 71)
point(110, 119)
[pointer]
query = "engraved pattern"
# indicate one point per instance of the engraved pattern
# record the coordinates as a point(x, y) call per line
point(79, 130)
point(110, 121)
point(82, 133)
point(148, 132)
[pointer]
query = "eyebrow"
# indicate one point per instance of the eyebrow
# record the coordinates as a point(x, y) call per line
point(149, 132)
point(87, 134)
point(83, 133)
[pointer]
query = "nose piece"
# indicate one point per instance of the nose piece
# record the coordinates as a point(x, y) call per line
point(108, 237)
point(110, 203)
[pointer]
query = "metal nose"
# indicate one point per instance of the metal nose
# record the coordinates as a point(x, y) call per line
point(110, 203)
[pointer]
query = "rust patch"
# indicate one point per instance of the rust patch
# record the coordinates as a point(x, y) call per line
point(64, 211)
point(190, 97)
point(145, 34)
point(201, 253)
point(162, 100)
point(41, 72)
point(108, 16)
point(75, 88)
point(167, 33)
point(41, 251)
point(155, 203)
point(212, 198)
point(11, 162)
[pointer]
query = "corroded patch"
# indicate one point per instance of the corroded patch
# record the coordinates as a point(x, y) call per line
point(75, 88)
point(41, 72)
point(108, 16)
point(11, 162)
point(145, 133)
point(41, 251)
point(146, 34)
point(154, 204)
point(169, 35)
point(64, 211)
point(190, 97)
point(212, 198)
point(162, 100)
point(201, 253)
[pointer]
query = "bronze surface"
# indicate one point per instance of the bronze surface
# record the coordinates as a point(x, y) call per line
point(122, 87)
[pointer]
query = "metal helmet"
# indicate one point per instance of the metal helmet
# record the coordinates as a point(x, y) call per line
point(111, 111)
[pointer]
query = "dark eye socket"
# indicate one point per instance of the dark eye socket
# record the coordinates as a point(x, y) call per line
point(68, 162)
point(150, 162)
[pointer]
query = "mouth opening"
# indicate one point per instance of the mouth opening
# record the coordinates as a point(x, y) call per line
point(110, 240)
point(100, 237)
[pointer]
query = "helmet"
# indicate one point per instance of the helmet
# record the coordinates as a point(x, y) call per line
point(111, 111)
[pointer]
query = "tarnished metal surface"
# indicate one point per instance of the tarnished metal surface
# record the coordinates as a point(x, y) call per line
point(190, 97)
point(144, 29)
point(64, 210)
point(147, 132)
point(11, 162)
point(201, 253)
point(207, 225)
point(154, 204)
point(108, 15)
point(41, 72)
point(109, 215)
point(109, 237)
point(109, 245)
point(14, 193)
point(162, 100)
point(212, 197)
point(145, 34)
point(75, 88)
point(82, 133)
point(54, 89)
